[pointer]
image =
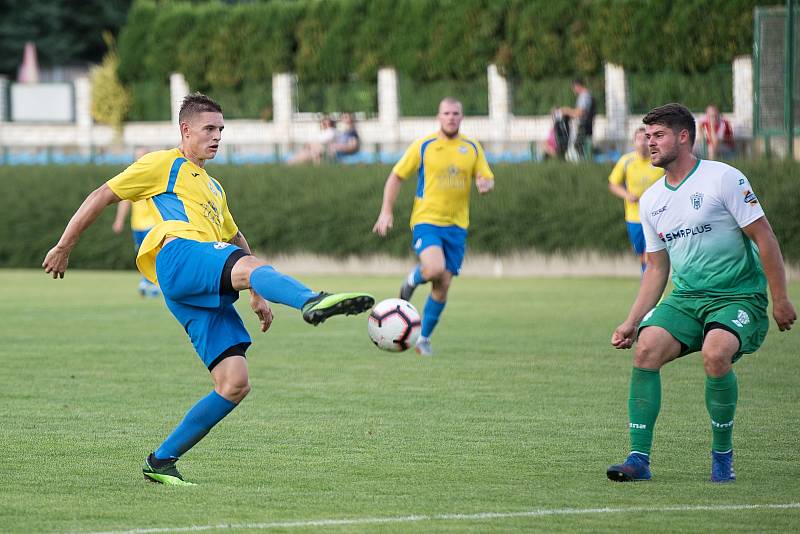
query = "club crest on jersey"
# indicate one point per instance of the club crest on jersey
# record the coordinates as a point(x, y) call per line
point(462, 149)
point(697, 200)
point(750, 198)
point(741, 319)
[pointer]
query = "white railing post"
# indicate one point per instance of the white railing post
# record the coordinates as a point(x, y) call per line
point(83, 113)
point(616, 104)
point(743, 96)
point(499, 106)
point(388, 105)
point(284, 105)
point(178, 88)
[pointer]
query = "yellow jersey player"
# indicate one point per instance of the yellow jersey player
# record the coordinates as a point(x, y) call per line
point(201, 260)
point(445, 164)
point(631, 177)
point(141, 223)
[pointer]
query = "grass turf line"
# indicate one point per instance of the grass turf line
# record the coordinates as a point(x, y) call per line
point(522, 408)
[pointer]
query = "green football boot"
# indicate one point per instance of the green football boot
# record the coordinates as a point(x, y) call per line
point(167, 474)
point(325, 305)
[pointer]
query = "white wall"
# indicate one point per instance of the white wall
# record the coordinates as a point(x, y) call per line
point(500, 130)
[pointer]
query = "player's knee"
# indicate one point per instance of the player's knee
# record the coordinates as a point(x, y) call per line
point(648, 354)
point(248, 264)
point(242, 269)
point(432, 272)
point(716, 362)
point(234, 390)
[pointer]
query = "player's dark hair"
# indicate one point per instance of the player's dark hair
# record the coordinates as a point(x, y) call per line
point(675, 117)
point(197, 103)
point(577, 80)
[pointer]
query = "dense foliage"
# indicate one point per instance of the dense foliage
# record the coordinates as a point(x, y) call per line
point(550, 208)
point(232, 50)
point(65, 33)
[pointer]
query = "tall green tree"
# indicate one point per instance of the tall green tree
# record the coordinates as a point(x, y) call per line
point(65, 33)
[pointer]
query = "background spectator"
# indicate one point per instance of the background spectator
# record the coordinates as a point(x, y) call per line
point(313, 152)
point(583, 113)
point(346, 140)
point(717, 134)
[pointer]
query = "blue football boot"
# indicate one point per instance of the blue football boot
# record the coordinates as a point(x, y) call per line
point(636, 467)
point(722, 467)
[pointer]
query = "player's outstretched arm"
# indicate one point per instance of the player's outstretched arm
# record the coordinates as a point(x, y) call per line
point(760, 232)
point(57, 258)
point(652, 287)
point(386, 217)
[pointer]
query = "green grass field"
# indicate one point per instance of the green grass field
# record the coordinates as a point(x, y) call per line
point(510, 427)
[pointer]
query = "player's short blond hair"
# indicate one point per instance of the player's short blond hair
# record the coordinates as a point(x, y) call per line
point(451, 100)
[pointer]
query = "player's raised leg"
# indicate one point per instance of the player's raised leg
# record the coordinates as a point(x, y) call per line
point(654, 349)
point(251, 272)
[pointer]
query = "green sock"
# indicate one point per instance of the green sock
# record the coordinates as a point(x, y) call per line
point(721, 396)
point(643, 406)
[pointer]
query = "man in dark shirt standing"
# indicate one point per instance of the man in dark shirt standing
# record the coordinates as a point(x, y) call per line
point(583, 118)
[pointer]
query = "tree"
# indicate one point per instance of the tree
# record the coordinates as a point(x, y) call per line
point(65, 33)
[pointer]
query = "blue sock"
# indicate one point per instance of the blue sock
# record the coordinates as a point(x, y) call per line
point(198, 421)
point(277, 287)
point(430, 315)
point(416, 276)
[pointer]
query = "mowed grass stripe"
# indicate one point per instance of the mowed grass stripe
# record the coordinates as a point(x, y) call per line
point(523, 405)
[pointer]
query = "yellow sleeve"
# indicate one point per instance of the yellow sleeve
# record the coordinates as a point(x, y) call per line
point(617, 175)
point(410, 161)
point(141, 180)
point(481, 165)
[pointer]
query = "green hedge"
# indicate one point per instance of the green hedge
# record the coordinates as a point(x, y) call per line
point(553, 207)
point(539, 97)
point(228, 48)
point(695, 91)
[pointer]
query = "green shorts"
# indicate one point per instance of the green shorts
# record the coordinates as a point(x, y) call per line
point(689, 319)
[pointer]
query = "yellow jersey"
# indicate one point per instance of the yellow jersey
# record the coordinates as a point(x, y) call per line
point(141, 218)
point(445, 169)
point(637, 174)
point(185, 201)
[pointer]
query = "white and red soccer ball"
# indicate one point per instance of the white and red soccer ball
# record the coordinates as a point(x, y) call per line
point(394, 325)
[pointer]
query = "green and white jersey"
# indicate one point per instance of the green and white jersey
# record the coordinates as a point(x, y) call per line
point(699, 223)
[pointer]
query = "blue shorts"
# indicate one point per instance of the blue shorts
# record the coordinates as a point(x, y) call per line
point(636, 235)
point(138, 238)
point(451, 239)
point(189, 273)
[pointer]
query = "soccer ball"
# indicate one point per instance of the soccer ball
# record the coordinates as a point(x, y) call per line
point(394, 325)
